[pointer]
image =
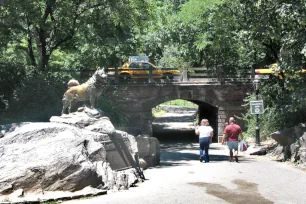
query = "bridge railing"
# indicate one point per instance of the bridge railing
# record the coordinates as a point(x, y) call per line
point(193, 74)
point(203, 74)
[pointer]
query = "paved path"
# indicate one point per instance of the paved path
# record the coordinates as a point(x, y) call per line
point(177, 118)
point(181, 178)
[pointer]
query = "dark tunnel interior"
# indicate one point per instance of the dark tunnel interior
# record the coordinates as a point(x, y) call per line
point(211, 113)
point(205, 110)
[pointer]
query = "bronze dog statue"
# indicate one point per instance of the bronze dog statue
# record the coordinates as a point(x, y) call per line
point(90, 90)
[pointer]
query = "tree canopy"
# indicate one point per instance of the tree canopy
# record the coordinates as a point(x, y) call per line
point(82, 29)
point(46, 36)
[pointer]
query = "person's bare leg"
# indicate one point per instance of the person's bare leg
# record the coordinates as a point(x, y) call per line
point(231, 155)
point(236, 155)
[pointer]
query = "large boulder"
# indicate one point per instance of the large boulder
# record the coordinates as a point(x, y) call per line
point(284, 137)
point(11, 127)
point(69, 153)
point(292, 145)
point(88, 122)
point(289, 136)
point(49, 156)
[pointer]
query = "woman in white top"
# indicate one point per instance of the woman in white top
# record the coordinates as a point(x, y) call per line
point(206, 134)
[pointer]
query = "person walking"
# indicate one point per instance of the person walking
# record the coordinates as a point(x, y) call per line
point(206, 134)
point(231, 136)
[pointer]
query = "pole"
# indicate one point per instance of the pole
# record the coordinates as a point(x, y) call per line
point(116, 74)
point(257, 124)
point(185, 77)
point(150, 74)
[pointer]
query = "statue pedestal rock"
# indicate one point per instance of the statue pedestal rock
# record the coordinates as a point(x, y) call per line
point(88, 118)
point(68, 153)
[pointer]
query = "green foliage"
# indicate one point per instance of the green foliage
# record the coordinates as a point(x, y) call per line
point(98, 28)
point(158, 111)
point(39, 96)
point(269, 122)
point(173, 57)
point(239, 35)
point(279, 27)
point(180, 102)
point(215, 34)
point(278, 113)
point(6, 199)
point(39, 55)
point(11, 74)
point(109, 104)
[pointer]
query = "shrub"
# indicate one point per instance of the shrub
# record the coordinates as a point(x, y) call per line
point(38, 96)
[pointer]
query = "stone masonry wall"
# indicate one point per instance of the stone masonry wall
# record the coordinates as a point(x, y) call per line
point(139, 99)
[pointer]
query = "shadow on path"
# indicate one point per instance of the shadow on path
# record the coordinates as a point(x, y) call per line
point(179, 154)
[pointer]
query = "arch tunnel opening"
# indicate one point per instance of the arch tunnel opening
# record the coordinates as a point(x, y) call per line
point(178, 122)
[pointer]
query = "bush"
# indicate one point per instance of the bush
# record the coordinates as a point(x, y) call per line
point(11, 74)
point(110, 105)
point(277, 116)
point(38, 96)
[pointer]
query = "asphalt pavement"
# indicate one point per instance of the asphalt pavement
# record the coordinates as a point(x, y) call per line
point(182, 178)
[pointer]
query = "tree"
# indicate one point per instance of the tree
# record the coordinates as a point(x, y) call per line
point(49, 25)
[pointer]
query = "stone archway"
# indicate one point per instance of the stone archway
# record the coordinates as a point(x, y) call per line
point(177, 123)
point(139, 99)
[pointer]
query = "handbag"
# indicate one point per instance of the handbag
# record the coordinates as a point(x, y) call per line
point(242, 146)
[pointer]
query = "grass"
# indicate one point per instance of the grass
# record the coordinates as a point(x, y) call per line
point(180, 102)
point(87, 197)
point(158, 111)
point(6, 200)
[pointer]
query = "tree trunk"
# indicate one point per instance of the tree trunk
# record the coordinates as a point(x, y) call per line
point(44, 62)
point(30, 50)
point(42, 50)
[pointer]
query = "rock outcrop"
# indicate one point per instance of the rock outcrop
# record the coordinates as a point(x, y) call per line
point(49, 156)
point(69, 153)
point(149, 151)
point(291, 145)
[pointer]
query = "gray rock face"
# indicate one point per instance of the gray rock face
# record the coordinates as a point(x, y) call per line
point(302, 150)
point(83, 120)
point(284, 137)
point(149, 151)
point(290, 135)
point(303, 140)
point(292, 145)
point(279, 152)
point(49, 156)
point(69, 153)
point(11, 127)
point(294, 152)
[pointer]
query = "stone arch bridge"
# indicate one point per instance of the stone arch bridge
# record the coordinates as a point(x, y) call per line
point(216, 101)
